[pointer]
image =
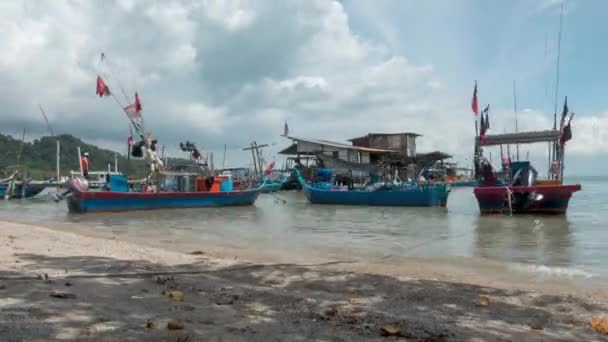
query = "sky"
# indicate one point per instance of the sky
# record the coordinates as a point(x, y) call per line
point(234, 71)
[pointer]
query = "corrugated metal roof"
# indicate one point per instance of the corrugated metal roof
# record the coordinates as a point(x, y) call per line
point(341, 145)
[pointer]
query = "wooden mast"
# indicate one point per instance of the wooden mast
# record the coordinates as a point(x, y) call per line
point(515, 111)
point(255, 154)
point(556, 146)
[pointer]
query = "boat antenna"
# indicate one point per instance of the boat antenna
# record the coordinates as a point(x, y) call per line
point(58, 144)
point(559, 43)
point(224, 158)
point(515, 111)
point(21, 147)
point(104, 60)
point(546, 74)
point(48, 125)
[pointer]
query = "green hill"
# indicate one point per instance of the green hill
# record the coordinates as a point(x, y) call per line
point(39, 157)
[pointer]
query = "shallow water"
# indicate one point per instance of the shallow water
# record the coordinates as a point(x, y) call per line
point(575, 245)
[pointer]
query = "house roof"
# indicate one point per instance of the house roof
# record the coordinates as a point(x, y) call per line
point(386, 134)
point(333, 144)
point(290, 150)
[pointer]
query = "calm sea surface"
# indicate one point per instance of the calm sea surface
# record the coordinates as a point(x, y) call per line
point(575, 245)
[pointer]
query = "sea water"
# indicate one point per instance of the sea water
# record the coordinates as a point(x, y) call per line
point(568, 246)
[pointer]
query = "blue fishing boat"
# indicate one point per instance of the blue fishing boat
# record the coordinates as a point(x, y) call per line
point(273, 186)
point(118, 197)
point(404, 195)
point(163, 188)
point(31, 190)
point(12, 188)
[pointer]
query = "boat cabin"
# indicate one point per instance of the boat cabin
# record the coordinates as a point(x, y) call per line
point(194, 182)
point(517, 169)
point(98, 179)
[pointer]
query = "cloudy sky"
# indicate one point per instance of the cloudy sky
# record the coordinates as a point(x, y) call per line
point(229, 72)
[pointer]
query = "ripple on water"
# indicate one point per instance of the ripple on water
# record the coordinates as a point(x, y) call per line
point(572, 245)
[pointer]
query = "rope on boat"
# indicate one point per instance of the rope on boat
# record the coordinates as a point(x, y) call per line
point(509, 194)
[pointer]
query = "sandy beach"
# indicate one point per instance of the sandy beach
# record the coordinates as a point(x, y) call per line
point(58, 285)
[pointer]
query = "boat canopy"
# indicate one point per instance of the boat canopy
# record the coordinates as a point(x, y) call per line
point(521, 138)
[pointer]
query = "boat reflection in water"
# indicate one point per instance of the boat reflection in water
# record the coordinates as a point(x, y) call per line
point(533, 240)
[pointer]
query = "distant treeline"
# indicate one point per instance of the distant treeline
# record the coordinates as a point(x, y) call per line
point(39, 157)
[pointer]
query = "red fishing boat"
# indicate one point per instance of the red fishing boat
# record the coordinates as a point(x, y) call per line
point(523, 192)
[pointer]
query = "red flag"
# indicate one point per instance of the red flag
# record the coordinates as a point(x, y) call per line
point(269, 168)
point(474, 104)
point(137, 102)
point(130, 140)
point(131, 111)
point(102, 87)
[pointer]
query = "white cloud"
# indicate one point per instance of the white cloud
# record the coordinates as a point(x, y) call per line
point(234, 15)
point(590, 135)
point(231, 72)
point(308, 82)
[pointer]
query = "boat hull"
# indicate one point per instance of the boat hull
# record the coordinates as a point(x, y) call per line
point(433, 196)
point(268, 187)
point(30, 190)
point(555, 199)
point(462, 184)
point(271, 187)
point(96, 201)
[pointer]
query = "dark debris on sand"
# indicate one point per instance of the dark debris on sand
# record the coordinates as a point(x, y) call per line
point(281, 303)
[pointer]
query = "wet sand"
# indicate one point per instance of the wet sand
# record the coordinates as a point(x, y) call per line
point(58, 285)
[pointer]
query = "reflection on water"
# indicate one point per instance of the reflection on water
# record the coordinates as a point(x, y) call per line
point(525, 239)
point(285, 221)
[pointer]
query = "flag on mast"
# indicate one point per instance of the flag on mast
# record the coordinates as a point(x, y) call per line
point(566, 134)
point(269, 168)
point(564, 114)
point(474, 104)
point(102, 87)
point(138, 106)
point(487, 121)
point(285, 130)
point(484, 126)
point(134, 110)
point(131, 111)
